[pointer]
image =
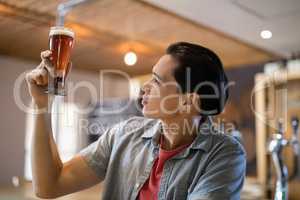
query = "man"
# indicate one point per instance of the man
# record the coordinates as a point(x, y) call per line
point(169, 154)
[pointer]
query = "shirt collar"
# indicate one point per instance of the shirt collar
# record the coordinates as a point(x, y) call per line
point(202, 140)
point(153, 131)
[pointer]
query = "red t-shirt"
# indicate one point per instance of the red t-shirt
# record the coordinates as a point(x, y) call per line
point(149, 191)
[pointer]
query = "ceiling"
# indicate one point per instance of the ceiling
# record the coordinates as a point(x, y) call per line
point(107, 29)
point(245, 19)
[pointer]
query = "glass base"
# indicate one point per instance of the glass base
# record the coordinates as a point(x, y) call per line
point(56, 86)
point(55, 92)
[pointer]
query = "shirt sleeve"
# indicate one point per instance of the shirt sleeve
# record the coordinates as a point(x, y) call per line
point(224, 175)
point(97, 154)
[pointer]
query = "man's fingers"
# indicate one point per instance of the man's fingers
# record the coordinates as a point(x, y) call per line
point(44, 76)
point(46, 57)
point(48, 66)
point(38, 77)
point(30, 78)
point(45, 54)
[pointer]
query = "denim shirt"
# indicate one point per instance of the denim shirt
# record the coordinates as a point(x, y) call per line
point(211, 168)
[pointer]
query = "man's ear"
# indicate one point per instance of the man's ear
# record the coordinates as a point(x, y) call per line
point(183, 102)
point(188, 101)
point(195, 101)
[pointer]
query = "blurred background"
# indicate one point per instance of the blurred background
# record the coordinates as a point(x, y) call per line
point(258, 42)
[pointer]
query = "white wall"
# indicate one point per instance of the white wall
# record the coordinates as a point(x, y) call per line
point(12, 120)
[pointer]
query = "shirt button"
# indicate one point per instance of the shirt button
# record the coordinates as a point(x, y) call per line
point(137, 185)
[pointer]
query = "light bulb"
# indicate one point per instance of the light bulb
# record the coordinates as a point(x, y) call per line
point(265, 34)
point(130, 58)
point(15, 181)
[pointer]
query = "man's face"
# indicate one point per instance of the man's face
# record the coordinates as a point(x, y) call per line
point(161, 96)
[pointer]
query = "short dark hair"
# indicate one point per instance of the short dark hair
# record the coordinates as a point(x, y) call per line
point(202, 66)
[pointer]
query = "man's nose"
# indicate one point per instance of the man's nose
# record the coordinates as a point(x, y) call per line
point(146, 87)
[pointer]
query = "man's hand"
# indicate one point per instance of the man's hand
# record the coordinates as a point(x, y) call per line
point(37, 80)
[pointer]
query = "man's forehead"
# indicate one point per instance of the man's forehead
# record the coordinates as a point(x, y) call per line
point(165, 66)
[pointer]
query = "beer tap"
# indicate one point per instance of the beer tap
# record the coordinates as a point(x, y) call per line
point(275, 147)
point(295, 145)
point(64, 8)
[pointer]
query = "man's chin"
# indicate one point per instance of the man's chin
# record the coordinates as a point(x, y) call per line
point(149, 114)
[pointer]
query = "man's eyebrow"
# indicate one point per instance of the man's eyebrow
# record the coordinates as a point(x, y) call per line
point(157, 76)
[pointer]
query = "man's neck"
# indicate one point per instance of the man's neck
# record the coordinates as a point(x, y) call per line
point(178, 132)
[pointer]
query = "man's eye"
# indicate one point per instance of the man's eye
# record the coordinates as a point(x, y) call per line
point(156, 81)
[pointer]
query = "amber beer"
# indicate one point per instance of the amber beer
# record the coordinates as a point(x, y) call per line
point(61, 40)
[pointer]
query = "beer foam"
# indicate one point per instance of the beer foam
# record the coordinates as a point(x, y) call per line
point(61, 31)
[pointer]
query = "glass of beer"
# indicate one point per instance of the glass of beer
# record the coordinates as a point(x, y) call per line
point(61, 40)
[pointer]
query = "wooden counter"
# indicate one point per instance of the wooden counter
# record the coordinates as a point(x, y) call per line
point(251, 191)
